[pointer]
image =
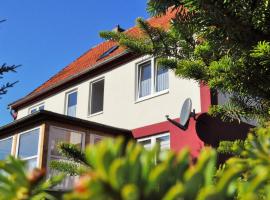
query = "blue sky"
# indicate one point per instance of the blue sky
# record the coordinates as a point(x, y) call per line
point(45, 36)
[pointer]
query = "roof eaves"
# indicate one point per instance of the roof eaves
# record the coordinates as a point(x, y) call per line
point(30, 97)
point(43, 115)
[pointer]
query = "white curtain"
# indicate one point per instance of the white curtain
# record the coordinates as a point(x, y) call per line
point(71, 111)
point(162, 79)
point(145, 79)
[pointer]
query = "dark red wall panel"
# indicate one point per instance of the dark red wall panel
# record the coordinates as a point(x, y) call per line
point(179, 139)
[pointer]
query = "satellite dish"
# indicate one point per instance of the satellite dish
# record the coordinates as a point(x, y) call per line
point(185, 112)
point(185, 115)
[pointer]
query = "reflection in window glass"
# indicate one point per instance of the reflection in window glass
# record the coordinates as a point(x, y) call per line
point(28, 147)
point(163, 142)
point(97, 97)
point(72, 104)
point(5, 148)
point(58, 135)
point(146, 144)
point(37, 108)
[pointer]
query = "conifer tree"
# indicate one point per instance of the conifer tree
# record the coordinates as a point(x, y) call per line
point(224, 44)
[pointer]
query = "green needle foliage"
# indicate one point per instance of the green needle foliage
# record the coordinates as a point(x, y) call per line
point(222, 43)
point(74, 162)
point(17, 184)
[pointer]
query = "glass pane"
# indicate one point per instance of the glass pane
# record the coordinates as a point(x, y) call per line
point(31, 164)
point(72, 104)
point(41, 107)
point(5, 148)
point(164, 142)
point(145, 79)
point(28, 144)
point(58, 135)
point(146, 144)
point(162, 79)
point(97, 96)
point(33, 110)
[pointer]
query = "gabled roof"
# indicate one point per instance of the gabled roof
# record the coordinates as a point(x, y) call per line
point(89, 60)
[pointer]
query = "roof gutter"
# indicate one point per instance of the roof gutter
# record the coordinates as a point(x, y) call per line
point(30, 97)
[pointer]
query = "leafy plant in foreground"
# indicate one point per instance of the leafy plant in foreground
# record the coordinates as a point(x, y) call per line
point(17, 184)
point(130, 172)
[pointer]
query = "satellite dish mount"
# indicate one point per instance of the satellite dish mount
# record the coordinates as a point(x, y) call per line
point(185, 115)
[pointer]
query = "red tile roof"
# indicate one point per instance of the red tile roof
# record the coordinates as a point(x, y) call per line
point(91, 57)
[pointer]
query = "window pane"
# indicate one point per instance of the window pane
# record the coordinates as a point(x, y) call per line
point(5, 148)
point(146, 144)
point(162, 79)
point(58, 135)
point(37, 108)
point(97, 96)
point(145, 79)
point(28, 144)
point(72, 104)
point(41, 107)
point(164, 142)
point(33, 110)
point(31, 164)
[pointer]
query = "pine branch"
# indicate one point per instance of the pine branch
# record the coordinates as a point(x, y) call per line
point(5, 69)
point(67, 167)
point(4, 88)
point(72, 152)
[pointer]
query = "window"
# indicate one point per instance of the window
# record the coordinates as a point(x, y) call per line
point(145, 79)
point(108, 52)
point(162, 77)
point(5, 147)
point(28, 145)
point(71, 103)
point(152, 79)
point(163, 140)
point(36, 108)
point(96, 96)
point(95, 139)
point(57, 135)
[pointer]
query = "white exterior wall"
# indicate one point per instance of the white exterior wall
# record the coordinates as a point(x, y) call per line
point(120, 106)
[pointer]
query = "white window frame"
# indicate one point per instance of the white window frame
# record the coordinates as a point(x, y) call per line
point(36, 107)
point(153, 92)
point(12, 143)
point(153, 139)
point(66, 101)
point(90, 97)
point(39, 145)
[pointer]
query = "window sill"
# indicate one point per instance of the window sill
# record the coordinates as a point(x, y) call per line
point(95, 114)
point(152, 96)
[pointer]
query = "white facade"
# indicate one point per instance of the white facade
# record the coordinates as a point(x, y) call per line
point(121, 107)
